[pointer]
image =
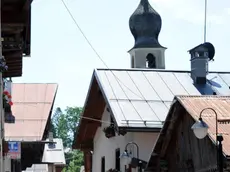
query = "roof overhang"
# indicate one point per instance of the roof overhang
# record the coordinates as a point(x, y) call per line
point(93, 109)
point(33, 127)
point(16, 34)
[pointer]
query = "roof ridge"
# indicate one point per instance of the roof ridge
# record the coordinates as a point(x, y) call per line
point(203, 96)
point(154, 70)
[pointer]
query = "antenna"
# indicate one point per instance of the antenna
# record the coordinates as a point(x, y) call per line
point(205, 20)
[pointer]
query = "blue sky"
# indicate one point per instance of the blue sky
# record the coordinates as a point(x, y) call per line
point(61, 55)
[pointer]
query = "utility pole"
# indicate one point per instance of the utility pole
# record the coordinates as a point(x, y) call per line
point(205, 20)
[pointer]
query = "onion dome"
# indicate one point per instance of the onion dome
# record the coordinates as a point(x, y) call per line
point(145, 26)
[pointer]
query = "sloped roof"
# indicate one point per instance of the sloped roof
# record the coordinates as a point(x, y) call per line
point(139, 99)
point(54, 155)
point(142, 98)
point(195, 104)
point(32, 108)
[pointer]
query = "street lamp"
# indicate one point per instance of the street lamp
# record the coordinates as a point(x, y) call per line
point(200, 129)
point(125, 155)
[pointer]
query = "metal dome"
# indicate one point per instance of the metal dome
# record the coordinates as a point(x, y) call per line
point(145, 25)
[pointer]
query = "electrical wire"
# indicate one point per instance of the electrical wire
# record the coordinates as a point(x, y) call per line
point(120, 82)
point(97, 120)
point(91, 46)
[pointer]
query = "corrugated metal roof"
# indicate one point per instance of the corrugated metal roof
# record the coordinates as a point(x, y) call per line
point(32, 106)
point(54, 155)
point(195, 104)
point(142, 98)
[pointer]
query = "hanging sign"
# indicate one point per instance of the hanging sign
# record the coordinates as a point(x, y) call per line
point(14, 150)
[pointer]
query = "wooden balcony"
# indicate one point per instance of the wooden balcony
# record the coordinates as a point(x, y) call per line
point(16, 32)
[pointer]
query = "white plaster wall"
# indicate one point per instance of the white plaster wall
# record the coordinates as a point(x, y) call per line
point(106, 147)
point(7, 164)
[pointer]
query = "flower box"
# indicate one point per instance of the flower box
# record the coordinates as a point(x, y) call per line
point(109, 131)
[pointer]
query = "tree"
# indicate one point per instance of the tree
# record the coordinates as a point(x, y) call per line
point(64, 126)
point(76, 161)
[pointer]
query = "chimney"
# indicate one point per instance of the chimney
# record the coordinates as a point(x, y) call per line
point(200, 57)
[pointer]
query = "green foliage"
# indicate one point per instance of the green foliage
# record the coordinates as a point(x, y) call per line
point(75, 161)
point(64, 125)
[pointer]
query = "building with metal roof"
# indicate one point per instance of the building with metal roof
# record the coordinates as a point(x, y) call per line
point(177, 145)
point(32, 109)
point(55, 153)
point(137, 100)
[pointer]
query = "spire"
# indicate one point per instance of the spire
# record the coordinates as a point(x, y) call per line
point(145, 25)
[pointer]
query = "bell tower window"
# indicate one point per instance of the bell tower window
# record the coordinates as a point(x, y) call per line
point(151, 61)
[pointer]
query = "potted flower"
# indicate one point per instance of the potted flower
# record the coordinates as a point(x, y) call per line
point(109, 131)
point(7, 103)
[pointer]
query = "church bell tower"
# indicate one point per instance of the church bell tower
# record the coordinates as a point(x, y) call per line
point(145, 26)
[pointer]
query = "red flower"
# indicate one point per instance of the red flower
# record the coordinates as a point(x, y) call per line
point(9, 96)
point(10, 103)
point(6, 92)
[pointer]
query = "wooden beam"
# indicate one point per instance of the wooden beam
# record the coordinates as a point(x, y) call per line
point(27, 4)
point(14, 17)
point(11, 62)
point(87, 145)
point(14, 64)
point(14, 54)
point(11, 74)
point(88, 161)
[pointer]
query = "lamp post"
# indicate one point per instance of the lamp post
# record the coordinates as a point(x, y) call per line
point(200, 129)
point(125, 155)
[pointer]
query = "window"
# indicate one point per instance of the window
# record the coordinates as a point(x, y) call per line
point(117, 159)
point(151, 61)
point(103, 164)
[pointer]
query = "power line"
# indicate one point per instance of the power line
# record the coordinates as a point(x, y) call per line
point(97, 120)
point(83, 34)
point(141, 97)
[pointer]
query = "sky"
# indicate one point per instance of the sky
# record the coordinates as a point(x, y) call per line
point(60, 54)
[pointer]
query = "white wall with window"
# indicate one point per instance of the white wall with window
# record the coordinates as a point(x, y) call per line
point(106, 151)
